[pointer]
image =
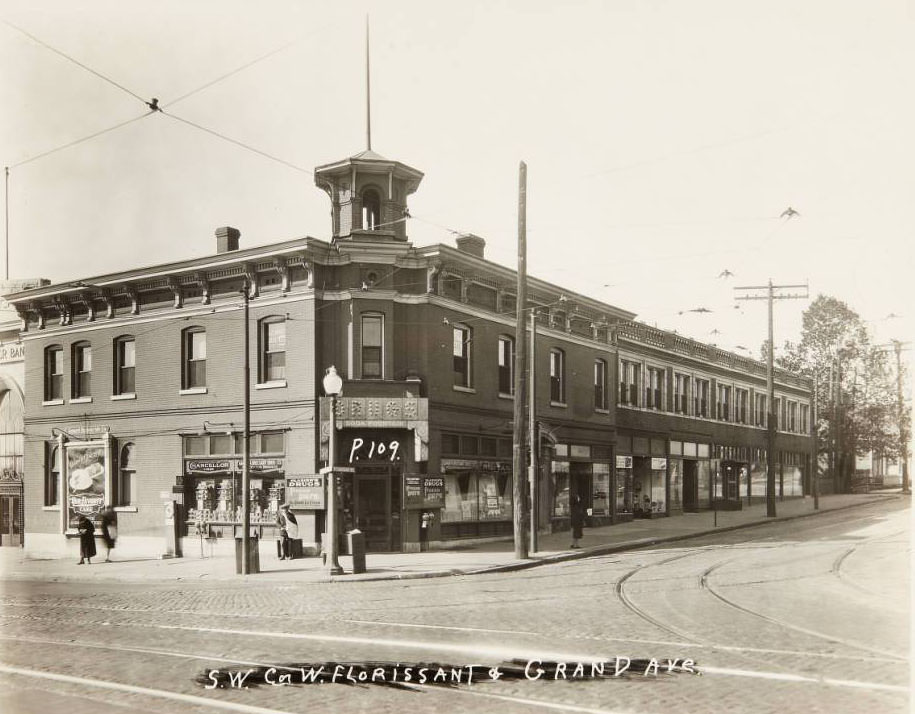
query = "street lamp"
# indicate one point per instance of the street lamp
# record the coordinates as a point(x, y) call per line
point(333, 387)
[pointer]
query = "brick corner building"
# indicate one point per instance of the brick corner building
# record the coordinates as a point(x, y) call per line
point(134, 393)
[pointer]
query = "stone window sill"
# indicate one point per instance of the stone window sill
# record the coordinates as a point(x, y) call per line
point(466, 390)
point(275, 384)
point(192, 390)
point(52, 403)
point(121, 397)
point(81, 400)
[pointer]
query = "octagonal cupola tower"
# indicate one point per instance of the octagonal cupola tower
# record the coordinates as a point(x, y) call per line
point(368, 193)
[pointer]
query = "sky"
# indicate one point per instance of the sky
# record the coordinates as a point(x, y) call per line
point(663, 140)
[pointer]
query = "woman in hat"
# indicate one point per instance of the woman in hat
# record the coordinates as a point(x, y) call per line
point(86, 540)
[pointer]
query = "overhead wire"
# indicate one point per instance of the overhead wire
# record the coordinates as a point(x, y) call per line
point(75, 61)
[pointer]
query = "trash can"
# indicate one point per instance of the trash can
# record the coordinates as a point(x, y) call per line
point(254, 561)
point(356, 544)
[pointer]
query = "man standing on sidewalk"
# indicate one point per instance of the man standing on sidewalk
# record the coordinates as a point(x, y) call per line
point(289, 529)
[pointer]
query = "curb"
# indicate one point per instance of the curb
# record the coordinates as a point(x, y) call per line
point(646, 542)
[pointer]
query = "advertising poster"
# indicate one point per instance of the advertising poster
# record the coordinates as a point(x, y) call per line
point(85, 481)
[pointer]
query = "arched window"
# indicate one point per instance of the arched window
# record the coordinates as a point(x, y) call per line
point(127, 475)
point(53, 373)
point(52, 476)
point(371, 209)
point(272, 350)
point(81, 379)
point(194, 358)
point(125, 364)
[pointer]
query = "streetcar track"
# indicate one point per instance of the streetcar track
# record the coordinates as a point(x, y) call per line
point(704, 584)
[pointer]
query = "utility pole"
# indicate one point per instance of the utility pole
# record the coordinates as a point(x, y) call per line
point(7, 234)
point(770, 381)
point(533, 431)
point(246, 459)
point(518, 453)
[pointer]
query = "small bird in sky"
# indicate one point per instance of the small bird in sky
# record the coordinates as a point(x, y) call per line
point(725, 273)
point(892, 316)
point(789, 213)
point(695, 309)
point(715, 332)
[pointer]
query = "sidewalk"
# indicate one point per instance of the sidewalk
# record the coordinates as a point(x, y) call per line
point(488, 558)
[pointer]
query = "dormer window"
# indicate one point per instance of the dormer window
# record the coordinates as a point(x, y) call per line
point(371, 209)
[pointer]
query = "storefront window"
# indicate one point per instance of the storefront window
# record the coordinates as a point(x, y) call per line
point(703, 478)
point(717, 479)
point(624, 485)
point(649, 485)
point(758, 479)
point(560, 477)
point(676, 484)
point(477, 491)
point(743, 481)
point(600, 495)
point(792, 480)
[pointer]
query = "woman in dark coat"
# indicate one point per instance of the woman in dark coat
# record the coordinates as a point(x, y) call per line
point(578, 520)
point(86, 540)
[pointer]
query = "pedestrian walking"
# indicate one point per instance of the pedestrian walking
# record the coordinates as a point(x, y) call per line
point(578, 519)
point(86, 540)
point(289, 529)
point(109, 530)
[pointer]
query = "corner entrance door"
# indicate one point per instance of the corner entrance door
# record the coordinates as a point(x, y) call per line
point(690, 486)
point(10, 528)
point(372, 496)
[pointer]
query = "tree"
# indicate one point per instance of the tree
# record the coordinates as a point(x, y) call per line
point(857, 404)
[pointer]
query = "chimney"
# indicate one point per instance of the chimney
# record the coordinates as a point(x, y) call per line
point(227, 239)
point(470, 243)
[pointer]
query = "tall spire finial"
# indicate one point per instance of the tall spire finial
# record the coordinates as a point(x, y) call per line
point(368, 90)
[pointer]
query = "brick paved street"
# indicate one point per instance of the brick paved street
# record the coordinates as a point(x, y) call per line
point(806, 614)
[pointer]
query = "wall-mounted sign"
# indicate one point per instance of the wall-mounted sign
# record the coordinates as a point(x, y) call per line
point(379, 413)
point(658, 464)
point(624, 462)
point(14, 352)
point(86, 481)
point(306, 492)
point(424, 491)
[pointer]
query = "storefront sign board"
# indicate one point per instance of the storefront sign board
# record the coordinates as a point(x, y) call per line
point(306, 493)
point(87, 480)
point(624, 462)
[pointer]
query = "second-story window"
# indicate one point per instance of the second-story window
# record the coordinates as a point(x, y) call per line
point(461, 350)
point(741, 406)
point(779, 419)
point(681, 393)
point(195, 358)
point(792, 416)
point(557, 376)
point(805, 418)
point(724, 402)
point(81, 381)
point(600, 384)
point(272, 350)
point(653, 389)
point(125, 364)
point(761, 410)
point(700, 398)
point(372, 342)
point(53, 373)
point(506, 365)
point(629, 383)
